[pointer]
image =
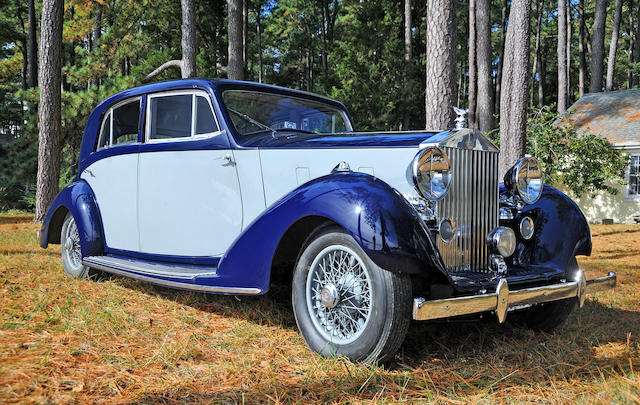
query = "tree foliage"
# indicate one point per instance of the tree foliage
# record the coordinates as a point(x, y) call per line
point(351, 50)
point(583, 163)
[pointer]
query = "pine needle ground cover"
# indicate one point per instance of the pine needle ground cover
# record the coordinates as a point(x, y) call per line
point(116, 340)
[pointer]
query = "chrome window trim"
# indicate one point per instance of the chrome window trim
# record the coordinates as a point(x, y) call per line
point(194, 94)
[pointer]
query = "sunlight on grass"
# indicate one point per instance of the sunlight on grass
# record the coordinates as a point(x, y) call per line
point(117, 340)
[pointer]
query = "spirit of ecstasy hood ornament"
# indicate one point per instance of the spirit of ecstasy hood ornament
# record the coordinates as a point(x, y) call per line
point(461, 120)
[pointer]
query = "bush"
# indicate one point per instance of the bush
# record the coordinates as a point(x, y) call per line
point(585, 164)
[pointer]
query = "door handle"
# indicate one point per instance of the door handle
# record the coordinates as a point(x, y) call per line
point(227, 160)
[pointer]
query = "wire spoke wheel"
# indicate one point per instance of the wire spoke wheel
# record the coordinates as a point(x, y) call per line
point(338, 294)
point(71, 250)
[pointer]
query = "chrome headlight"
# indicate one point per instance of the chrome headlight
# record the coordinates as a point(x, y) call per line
point(525, 178)
point(432, 173)
point(502, 240)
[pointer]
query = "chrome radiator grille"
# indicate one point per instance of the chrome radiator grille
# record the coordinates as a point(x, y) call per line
point(472, 203)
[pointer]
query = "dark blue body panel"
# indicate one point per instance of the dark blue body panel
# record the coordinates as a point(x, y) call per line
point(78, 198)
point(379, 219)
point(562, 231)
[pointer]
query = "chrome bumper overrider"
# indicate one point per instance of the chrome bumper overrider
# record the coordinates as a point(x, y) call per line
point(503, 299)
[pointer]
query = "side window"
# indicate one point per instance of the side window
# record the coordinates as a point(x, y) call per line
point(170, 116)
point(125, 123)
point(105, 132)
point(205, 122)
point(120, 125)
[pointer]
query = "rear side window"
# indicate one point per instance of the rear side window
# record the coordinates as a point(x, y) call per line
point(180, 116)
point(125, 123)
point(120, 125)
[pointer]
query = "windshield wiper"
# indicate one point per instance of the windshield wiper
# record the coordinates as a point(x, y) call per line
point(251, 120)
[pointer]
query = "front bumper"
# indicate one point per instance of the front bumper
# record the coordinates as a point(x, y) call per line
point(503, 299)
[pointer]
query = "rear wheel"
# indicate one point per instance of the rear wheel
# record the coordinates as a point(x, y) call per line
point(548, 316)
point(344, 304)
point(70, 247)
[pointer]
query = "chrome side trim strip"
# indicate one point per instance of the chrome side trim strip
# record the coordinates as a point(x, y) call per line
point(503, 299)
point(173, 284)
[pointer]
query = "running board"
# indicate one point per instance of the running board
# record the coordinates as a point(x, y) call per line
point(150, 269)
point(151, 272)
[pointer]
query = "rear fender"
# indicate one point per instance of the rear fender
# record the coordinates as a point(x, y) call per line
point(77, 198)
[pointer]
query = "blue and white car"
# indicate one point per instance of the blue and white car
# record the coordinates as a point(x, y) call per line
point(216, 185)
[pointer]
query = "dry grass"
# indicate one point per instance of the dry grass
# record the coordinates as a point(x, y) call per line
point(120, 341)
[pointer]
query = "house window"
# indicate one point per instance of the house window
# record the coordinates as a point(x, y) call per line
point(634, 177)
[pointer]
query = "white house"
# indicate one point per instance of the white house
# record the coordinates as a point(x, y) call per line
point(614, 116)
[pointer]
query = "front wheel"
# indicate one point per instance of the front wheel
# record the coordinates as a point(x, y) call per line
point(548, 316)
point(70, 247)
point(344, 304)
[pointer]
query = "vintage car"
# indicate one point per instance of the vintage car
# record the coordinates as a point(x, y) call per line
point(217, 185)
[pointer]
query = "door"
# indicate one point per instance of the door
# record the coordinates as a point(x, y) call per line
point(188, 192)
point(114, 176)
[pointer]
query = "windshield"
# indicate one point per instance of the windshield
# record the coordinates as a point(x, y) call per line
point(254, 112)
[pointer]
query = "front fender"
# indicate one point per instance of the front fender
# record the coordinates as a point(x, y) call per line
point(562, 231)
point(77, 198)
point(380, 220)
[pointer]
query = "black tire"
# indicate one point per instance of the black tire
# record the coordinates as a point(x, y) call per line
point(548, 316)
point(381, 333)
point(70, 249)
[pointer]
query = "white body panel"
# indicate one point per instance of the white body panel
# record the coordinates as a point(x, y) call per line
point(251, 188)
point(189, 203)
point(114, 181)
point(285, 169)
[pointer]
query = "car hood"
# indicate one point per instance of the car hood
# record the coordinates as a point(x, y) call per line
point(342, 140)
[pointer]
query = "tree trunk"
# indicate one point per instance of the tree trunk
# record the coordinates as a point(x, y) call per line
point(33, 46)
point(582, 73)
point(631, 44)
point(440, 88)
point(562, 56)
point(613, 45)
point(597, 46)
point(407, 56)
point(636, 48)
point(542, 74)
point(472, 66)
point(407, 30)
point(503, 27)
point(96, 34)
point(259, 29)
point(513, 98)
point(188, 66)
point(483, 46)
point(235, 68)
point(50, 105)
point(245, 31)
point(536, 52)
point(568, 58)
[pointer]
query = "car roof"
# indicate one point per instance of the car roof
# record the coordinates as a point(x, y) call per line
point(204, 83)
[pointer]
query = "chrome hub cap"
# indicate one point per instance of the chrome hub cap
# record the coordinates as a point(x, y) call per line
point(329, 295)
point(338, 294)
